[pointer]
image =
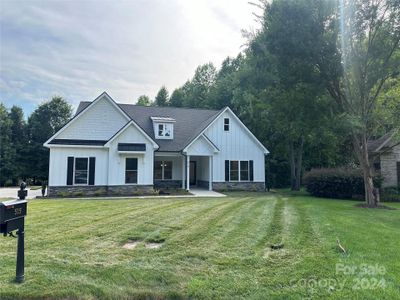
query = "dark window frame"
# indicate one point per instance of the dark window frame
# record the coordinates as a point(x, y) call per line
point(244, 170)
point(239, 170)
point(131, 170)
point(81, 170)
point(226, 124)
point(230, 170)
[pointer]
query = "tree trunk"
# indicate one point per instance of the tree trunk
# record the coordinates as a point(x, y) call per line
point(292, 167)
point(360, 147)
point(296, 160)
point(299, 164)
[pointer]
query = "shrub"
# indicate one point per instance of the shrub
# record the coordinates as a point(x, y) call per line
point(390, 194)
point(344, 183)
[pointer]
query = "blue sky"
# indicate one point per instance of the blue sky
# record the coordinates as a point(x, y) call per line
point(78, 49)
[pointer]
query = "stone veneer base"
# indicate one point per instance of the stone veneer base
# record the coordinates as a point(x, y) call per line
point(100, 190)
point(165, 184)
point(239, 186)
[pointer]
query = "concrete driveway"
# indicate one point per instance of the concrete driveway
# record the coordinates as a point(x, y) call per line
point(12, 192)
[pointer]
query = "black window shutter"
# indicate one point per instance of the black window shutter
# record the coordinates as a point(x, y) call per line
point(92, 169)
point(227, 170)
point(251, 170)
point(70, 170)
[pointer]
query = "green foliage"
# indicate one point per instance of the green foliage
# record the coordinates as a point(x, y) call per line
point(43, 123)
point(390, 194)
point(143, 100)
point(177, 98)
point(340, 183)
point(162, 98)
point(7, 152)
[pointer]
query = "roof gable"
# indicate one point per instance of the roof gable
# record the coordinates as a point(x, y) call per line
point(102, 113)
point(189, 123)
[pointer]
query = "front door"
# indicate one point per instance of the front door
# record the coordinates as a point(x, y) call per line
point(193, 178)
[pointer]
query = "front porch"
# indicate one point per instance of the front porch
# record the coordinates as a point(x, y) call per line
point(176, 170)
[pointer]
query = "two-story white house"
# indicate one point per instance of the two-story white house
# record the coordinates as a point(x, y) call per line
point(121, 149)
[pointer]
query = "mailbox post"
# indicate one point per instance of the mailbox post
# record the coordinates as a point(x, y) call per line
point(12, 217)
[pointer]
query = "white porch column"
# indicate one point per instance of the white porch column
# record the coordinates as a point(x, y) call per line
point(188, 172)
point(210, 173)
point(183, 172)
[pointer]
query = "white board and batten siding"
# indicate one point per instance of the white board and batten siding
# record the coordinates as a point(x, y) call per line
point(116, 165)
point(235, 144)
point(100, 121)
point(59, 158)
point(200, 147)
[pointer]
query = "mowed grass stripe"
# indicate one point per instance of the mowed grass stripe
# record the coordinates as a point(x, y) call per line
point(247, 227)
point(205, 229)
point(165, 223)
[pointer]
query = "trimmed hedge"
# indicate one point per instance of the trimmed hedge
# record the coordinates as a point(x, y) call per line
point(339, 183)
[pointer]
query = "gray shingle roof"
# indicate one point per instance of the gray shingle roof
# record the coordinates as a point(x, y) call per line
point(189, 124)
point(375, 145)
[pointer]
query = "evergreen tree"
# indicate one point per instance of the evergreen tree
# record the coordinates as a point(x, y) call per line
point(19, 140)
point(162, 98)
point(7, 152)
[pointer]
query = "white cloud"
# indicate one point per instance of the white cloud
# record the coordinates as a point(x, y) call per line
point(77, 49)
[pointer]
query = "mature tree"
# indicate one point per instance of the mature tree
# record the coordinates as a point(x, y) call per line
point(162, 98)
point(143, 100)
point(197, 90)
point(19, 140)
point(7, 153)
point(296, 103)
point(177, 97)
point(44, 122)
point(356, 74)
point(226, 82)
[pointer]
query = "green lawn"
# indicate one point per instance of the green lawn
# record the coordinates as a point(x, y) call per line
point(213, 248)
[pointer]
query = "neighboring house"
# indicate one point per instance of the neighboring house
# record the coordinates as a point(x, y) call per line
point(123, 149)
point(385, 155)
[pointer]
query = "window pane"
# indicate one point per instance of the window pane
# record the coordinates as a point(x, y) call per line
point(167, 169)
point(130, 176)
point(81, 163)
point(167, 131)
point(80, 177)
point(226, 124)
point(131, 164)
point(244, 170)
point(158, 170)
point(160, 130)
point(81, 170)
point(234, 170)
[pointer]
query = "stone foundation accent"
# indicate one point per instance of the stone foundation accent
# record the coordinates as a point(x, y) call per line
point(239, 186)
point(130, 190)
point(165, 184)
point(100, 190)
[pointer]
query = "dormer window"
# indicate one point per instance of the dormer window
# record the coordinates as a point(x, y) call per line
point(163, 127)
point(164, 130)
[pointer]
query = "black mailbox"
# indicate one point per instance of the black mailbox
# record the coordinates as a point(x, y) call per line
point(12, 215)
